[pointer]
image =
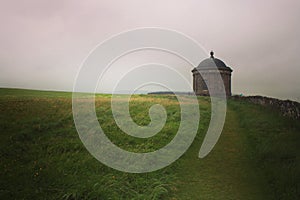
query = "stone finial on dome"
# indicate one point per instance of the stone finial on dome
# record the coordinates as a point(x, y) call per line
point(212, 54)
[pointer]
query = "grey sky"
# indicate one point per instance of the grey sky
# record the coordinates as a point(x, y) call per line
point(44, 42)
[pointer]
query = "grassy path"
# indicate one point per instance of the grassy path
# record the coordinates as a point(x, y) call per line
point(42, 157)
point(226, 173)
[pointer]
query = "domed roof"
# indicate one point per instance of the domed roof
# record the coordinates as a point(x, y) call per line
point(212, 62)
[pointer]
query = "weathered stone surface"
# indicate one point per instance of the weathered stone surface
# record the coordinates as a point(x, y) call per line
point(287, 108)
point(209, 77)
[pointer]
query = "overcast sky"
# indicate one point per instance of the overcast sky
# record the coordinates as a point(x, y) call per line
point(43, 43)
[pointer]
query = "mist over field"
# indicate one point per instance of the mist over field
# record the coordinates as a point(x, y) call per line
point(69, 130)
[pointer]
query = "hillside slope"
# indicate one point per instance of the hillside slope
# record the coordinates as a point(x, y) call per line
point(42, 157)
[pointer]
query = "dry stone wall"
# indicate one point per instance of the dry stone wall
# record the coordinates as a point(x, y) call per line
point(287, 108)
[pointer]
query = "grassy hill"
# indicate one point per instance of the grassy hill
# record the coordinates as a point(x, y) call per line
point(42, 157)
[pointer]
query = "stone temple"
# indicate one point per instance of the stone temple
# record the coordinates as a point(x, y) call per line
point(209, 69)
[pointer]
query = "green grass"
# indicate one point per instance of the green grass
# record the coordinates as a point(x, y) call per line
point(42, 157)
point(274, 145)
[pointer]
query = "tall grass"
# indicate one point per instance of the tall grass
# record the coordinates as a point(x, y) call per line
point(274, 143)
point(42, 156)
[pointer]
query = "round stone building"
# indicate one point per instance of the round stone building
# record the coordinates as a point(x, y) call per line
point(209, 69)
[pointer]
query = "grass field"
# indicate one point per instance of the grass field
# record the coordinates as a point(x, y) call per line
point(42, 157)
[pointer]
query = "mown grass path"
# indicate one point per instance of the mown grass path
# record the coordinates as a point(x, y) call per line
point(226, 173)
point(42, 157)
